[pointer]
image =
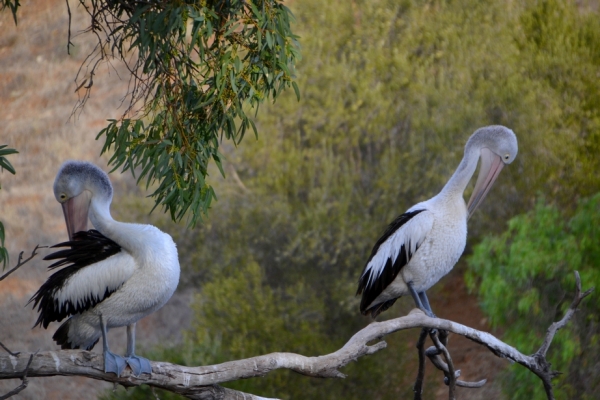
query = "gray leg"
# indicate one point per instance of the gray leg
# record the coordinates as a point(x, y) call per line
point(417, 298)
point(425, 302)
point(112, 362)
point(138, 365)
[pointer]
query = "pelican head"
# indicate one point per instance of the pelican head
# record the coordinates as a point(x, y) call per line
point(497, 146)
point(76, 185)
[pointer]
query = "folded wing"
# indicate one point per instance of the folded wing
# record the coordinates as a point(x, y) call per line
point(391, 253)
point(94, 267)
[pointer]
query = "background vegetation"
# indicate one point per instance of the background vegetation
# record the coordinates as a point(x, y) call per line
point(390, 91)
point(530, 267)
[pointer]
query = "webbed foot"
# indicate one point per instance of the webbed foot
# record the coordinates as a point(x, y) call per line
point(138, 365)
point(114, 363)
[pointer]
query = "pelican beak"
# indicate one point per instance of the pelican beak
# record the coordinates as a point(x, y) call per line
point(491, 165)
point(76, 213)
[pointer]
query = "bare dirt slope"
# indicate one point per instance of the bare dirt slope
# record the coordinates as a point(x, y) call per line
point(37, 95)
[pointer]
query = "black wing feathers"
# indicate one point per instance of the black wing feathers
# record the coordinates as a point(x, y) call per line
point(85, 249)
point(61, 337)
point(389, 271)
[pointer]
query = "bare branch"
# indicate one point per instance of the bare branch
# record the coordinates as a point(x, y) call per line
point(450, 374)
point(418, 388)
point(544, 369)
point(8, 351)
point(24, 380)
point(434, 355)
point(21, 262)
point(568, 315)
point(185, 380)
point(69, 43)
point(201, 382)
point(178, 379)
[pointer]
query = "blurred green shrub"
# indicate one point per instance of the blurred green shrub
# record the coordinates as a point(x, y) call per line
point(525, 280)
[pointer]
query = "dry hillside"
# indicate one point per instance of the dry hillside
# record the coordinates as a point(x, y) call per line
point(37, 95)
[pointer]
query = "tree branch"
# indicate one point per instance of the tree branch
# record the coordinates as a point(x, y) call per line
point(544, 370)
point(8, 351)
point(24, 379)
point(202, 382)
point(418, 388)
point(568, 315)
point(21, 262)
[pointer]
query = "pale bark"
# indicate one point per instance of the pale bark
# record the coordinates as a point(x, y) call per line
point(202, 382)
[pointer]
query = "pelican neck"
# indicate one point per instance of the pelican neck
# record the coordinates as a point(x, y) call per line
point(463, 174)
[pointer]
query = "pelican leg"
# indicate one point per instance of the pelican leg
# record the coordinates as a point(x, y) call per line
point(425, 302)
point(112, 362)
point(138, 365)
point(417, 298)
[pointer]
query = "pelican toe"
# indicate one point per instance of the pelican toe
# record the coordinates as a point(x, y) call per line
point(114, 363)
point(138, 365)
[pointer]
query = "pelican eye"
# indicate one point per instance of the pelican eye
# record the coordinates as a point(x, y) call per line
point(506, 156)
point(62, 197)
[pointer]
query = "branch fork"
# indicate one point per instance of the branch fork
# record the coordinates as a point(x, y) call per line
point(202, 382)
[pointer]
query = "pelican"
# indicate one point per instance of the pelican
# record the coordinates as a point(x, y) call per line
point(422, 245)
point(113, 276)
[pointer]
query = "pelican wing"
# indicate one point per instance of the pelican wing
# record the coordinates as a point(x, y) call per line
point(86, 248)
point(94, 267)
point(392, 251)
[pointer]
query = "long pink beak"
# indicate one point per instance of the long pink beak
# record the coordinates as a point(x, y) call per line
point(491, 165)
point(76, 213)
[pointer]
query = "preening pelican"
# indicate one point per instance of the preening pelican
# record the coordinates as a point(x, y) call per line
point(423, 244)
point(111, 277)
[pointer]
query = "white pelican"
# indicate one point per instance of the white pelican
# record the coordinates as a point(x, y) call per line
point(112, 276)
point(422, 245)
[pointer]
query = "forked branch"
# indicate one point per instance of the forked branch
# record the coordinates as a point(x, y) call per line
point(202, 382)
point(21, 262)
point(24, 380)
point(537, 363)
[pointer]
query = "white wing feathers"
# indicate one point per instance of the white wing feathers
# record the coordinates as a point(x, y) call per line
point(92, 282)
point(410, 235)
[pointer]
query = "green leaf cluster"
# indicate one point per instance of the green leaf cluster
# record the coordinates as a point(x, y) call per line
point(5, 165)
point(12, 5)
point(199, 65)
point(530, 268)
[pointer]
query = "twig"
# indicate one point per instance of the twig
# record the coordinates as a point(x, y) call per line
point(22, 262)
point(24, 380)
point(543, 368)
point(450, 379)
point(418, 387)
point(434, 356)
point(568, 315)
point(8, 351)
point(69, 43)
point(433, 353)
